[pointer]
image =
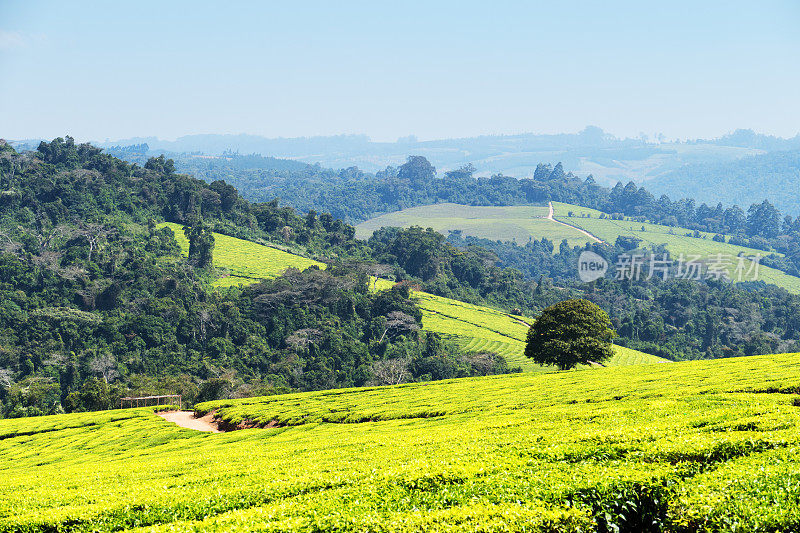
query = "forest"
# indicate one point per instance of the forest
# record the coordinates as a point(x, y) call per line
point(97, 302)
point(354, 196)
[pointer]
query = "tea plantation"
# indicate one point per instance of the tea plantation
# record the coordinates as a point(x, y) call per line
point(696, 446)
point(679, 241)
point(476, 328)
point(505, 223)
point(523, 222)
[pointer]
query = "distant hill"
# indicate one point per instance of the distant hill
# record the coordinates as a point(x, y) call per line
point(774, 176)
point(751, 139)
point(590, 151)
point(524, 223)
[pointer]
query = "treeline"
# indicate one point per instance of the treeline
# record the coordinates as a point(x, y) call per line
point(64, 183)
point(355, 196)
point(96, 302)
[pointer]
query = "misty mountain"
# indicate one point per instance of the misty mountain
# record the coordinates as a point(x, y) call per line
point(774, 176)
point(590, 151)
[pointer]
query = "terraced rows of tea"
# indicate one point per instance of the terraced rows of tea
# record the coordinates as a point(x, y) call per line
point(695, 446)
point(476, 328)
point(246, 261)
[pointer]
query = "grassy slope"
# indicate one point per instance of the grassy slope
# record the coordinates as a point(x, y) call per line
point(476, 328)
point(505, 223)
point(518, 222)
point(677, 242)
point(713, 441)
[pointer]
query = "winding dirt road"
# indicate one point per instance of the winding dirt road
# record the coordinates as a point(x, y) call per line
point(550, 216)
point(186, 419)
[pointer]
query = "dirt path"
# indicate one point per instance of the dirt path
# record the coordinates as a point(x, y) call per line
point(514, 318)
point(551, 217)
point(186, 419)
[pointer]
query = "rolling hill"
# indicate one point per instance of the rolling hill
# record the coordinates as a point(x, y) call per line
point(521, 223)
point(475, 328)
point(591, 150)
point(774, 176)
point(695, 446)
point(507, 223)
point(677, 240)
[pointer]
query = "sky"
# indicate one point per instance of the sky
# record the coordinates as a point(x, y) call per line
point(111, 70)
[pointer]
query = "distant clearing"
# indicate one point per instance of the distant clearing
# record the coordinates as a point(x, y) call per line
point(676, 239)
point(513, 223)
point(246, 259)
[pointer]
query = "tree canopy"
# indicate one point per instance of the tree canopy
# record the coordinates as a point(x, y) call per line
point(570, 333)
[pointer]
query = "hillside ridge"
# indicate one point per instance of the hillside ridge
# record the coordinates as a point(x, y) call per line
point(497, 329)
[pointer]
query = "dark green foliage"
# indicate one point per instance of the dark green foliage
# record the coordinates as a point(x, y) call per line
point(570, 333)
point(416, 170)
point(94, 395)
point(201, 244)
point(627, 243)
point(96, 303)
point(764, 220)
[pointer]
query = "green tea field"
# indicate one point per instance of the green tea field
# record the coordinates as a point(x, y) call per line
point(479, 328)
point(677, 240)
point(245, 260)
point(695, 446)
point(523, 222)
point(476, 328)
point(509, 223)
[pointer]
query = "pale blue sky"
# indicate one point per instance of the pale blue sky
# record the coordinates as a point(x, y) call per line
point(100, 70)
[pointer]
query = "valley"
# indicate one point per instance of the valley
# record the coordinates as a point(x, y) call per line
point(475, 328)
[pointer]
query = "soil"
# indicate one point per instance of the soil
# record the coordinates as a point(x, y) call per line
point(550, 217)
point(186, 419)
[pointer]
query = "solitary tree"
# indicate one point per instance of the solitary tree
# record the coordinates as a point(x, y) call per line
point(569, 333)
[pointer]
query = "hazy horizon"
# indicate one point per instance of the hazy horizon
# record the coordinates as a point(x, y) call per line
point(400, 139)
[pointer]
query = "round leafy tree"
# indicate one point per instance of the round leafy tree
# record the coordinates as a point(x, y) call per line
point(569, 333)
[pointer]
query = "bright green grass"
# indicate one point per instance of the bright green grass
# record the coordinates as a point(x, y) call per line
point(713, 441)
point(518, 223)
point(468, 325)
point(676, 241)
point(246, 259)
point(507, 223)
point(477, 328)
